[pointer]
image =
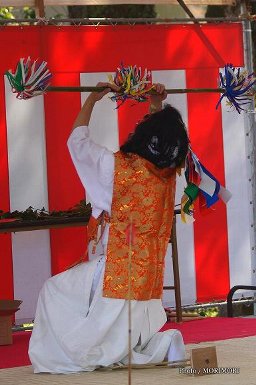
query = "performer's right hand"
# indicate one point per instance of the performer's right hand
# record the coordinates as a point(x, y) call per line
point(96, 96)
point(84, 116)
point(157, 98)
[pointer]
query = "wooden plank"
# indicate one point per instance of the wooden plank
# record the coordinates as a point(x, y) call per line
point(17, 226)
point(31, 225)
point(31, 3)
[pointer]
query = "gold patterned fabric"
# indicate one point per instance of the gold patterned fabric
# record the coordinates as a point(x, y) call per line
point(143, 200)
point(93, 227)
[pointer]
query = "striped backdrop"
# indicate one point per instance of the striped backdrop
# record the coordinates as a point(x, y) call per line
point(36, 170)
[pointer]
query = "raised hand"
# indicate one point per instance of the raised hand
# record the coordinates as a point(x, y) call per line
point(157, 98)
point(108, 87)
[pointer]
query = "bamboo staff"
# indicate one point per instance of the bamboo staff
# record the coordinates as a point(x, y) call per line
point(160, 365)
point(99, 89)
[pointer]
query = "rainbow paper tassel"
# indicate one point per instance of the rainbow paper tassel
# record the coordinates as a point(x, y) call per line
point(202, 185)
point(31, 78)
point(133, 83)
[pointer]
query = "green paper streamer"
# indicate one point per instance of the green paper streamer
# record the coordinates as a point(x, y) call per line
point(192, 192)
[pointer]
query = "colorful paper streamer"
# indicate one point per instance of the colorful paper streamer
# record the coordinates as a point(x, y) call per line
point(133, 83)
point(31, 78)
point(202, 185)
point(238, 86)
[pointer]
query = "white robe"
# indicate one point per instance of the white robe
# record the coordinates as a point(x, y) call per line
point(76, 328)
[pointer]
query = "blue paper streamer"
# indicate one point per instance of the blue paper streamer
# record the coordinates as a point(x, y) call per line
point(237, 87)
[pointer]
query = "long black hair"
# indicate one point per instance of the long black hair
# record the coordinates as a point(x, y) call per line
point(161, 138)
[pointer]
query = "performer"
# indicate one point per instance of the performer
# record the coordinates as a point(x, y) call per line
point(81, 320)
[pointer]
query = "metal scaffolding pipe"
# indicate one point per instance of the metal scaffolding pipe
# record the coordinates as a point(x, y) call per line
point(126, 21)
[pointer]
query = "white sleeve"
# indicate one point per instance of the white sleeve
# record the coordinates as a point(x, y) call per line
point(95, 167)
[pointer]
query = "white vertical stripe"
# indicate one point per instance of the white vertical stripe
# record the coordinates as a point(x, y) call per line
point(28, 187)
point(185, 233)
point(239, 210)
point(104, 121)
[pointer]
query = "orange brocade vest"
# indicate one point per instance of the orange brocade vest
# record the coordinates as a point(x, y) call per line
point(144, 196)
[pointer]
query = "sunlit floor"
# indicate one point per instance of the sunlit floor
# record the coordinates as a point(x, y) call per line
point(237, 353)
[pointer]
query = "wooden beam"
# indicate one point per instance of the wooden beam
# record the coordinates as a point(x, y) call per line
point(187, 10)
point(53, 223)
point(31, 3)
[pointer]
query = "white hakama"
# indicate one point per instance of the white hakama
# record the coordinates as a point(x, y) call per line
point(76, 328)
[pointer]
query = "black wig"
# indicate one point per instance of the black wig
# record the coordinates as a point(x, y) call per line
point(161, 138)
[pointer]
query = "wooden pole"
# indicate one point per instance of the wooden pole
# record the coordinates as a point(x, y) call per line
point(211, 48)
point(99, 89)
point(187, 10)
point(130, 235)
point(39, 8)
point(176, 274)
